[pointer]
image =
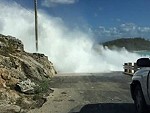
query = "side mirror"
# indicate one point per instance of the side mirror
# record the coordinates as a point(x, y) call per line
point(143, 62)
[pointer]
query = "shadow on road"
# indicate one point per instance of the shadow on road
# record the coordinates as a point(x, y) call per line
point(108, 108)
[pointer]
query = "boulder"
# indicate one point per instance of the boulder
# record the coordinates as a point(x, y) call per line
point(27, 86)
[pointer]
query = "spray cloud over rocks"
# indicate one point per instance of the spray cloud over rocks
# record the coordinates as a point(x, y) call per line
point(70, 49)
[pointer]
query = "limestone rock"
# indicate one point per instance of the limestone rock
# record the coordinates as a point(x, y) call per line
point(19, 68)
point(11, 43)
point(9, 108)
point(27, 86)
point(16, 64)
point(2, 83)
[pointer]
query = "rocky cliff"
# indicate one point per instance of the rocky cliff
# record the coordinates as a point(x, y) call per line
point(131, 44)
point(23, 76)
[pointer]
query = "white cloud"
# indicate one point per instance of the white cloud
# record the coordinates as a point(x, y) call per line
point(125, 30)
point(52, 3)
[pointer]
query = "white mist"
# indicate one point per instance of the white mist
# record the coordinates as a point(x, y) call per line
point(70, 49)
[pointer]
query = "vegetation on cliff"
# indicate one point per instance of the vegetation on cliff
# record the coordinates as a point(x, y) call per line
point(131, 44)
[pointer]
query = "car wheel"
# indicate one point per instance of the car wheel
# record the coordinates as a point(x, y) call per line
point(139, 100)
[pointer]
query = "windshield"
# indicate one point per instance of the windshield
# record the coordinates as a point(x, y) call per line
point(80, 47)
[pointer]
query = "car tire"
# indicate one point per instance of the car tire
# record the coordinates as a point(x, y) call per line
point(139, 100)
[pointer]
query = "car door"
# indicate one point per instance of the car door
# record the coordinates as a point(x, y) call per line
point(148, 84)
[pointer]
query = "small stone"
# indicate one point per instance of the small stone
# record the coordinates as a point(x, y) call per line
point(72, 100)
point(63, 93)
point(81, 92)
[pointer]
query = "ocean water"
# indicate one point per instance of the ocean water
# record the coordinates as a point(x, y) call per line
point(143, 53)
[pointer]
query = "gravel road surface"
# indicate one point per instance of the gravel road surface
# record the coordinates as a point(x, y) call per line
point(89, 93)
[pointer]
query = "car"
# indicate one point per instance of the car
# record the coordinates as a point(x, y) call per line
point(140, 86)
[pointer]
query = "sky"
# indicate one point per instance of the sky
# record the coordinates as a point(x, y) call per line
point(96, 13)
point(107, 19)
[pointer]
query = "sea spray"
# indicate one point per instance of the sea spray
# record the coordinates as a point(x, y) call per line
point(70, 49)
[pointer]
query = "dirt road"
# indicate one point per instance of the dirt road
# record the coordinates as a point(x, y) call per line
point(89, 93)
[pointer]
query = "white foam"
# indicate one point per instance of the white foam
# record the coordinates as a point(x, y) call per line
point(70, 49)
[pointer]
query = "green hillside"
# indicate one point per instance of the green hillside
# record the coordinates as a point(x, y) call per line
point(131, 44)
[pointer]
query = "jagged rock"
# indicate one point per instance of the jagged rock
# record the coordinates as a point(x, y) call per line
point(8, 95)
point(20, 64)
point(9, 108)
point(47, 66)
point(27, 86)
point(6, 78)
point(19, 68)
point(11, 43)
point(5, 74)
point(2, 83)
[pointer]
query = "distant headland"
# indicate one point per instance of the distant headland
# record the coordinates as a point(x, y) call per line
point(130, 44)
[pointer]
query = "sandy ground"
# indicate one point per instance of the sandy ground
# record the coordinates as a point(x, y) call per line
point(89, 93)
